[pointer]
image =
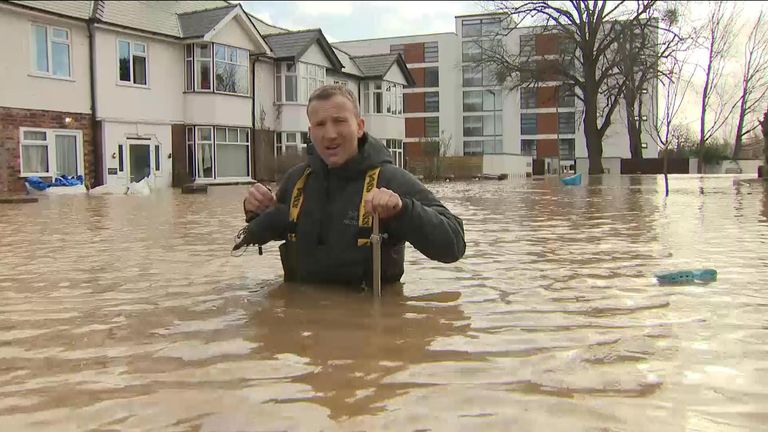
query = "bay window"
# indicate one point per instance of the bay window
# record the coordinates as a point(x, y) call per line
point(291, 143)
point(395, 147)
point(51, 51)
point(51, 153)
point(381, 97)
point(215, 152)
point(216, 68)
point(295, 82)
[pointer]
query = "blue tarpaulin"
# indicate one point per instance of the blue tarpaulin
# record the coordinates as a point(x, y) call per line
point(38, 184)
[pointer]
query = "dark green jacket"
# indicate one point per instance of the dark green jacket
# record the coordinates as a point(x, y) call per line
point(327, 230)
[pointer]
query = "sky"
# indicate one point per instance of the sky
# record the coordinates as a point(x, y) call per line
point(351, 20)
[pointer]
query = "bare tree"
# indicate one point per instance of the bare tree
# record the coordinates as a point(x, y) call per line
point(720, 35)
point(675, 82)
point(588, 34)
point(764, 129)
point(648, 43)
point(754, 83)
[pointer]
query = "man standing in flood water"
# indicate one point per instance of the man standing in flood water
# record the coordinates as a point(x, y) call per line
point(322, 208)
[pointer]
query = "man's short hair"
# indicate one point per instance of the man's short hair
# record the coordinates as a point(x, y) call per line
point(326, 92)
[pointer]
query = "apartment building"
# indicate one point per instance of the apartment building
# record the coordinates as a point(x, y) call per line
point(177, 91)
point(525, 131)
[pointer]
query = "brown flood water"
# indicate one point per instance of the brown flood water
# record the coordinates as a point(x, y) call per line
point(128, 313)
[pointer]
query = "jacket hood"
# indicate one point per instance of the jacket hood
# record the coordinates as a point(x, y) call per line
point(370, 153)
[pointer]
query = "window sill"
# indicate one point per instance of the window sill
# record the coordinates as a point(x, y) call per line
point(125, 84)
point(208, 92)
point(53, 77)
point(25, 175)
point(395, 116)
point(291, 103)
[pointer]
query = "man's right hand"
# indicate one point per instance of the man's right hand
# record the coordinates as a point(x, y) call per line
point(259, 199)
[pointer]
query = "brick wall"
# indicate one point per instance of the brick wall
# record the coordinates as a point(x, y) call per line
point(10, 153)
point(546, 123)
point(414, 102)
point(547, 148)
point(414, 127)
point(414, 53)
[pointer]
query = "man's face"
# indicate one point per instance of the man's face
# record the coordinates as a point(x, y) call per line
point(334, 129)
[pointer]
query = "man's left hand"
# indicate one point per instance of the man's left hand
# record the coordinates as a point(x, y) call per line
point(383, 202)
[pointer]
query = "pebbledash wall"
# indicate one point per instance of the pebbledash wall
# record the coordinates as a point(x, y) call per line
point(16, 120)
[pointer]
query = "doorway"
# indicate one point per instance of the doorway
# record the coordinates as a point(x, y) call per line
point(139, 161)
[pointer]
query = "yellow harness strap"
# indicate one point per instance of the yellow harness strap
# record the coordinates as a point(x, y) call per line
point(366, 219)
point(297, 198)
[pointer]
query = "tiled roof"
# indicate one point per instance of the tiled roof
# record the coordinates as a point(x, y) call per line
point(375, 65)
point(295, 44)
point(75, 9)
point(199, 23)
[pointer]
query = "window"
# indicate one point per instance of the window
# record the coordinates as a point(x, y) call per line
point(431, 101)
point(312, 77)
point(491, 26)
point(473, 126)
point(132, 62)
point(527, 45)
point(430, 52)
point(157, 158)
point(471, 51)
point(492, 146)
point(566, 122)
point(378, 98)
point(203, 67)
point(204, 153)
point(489, 75)
point(432, 127)
point(482, 100)
point(528, 124)
point(51, 153)
point(473, 101)
point(567, 149)
point(190, 151)
point(381, 97)
point(341, 83)
point(482, 125)
point(232, 146)
point(231, 69)
point(291, 143)
point(51, 51)
point(289, 84)
point(395, 147)
point(189, 68)
point(295, 82)
point(567, 96)
point(527, 97)
point(121, 158)
point(528, 147)
point(473, 148)
point(431, 77)
point(471, 28)
point(472, 76)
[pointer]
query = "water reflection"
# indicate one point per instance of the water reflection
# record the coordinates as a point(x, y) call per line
point(353, 343)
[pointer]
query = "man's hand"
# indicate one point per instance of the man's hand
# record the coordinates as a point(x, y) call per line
point(259, 199)
point(383, 202)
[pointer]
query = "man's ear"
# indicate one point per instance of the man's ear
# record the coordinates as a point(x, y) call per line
point(360, 127)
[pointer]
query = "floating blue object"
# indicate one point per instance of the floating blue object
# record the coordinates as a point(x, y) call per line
point(698, 275)
point(573, 180)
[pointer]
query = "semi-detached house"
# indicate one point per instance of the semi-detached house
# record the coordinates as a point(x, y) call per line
point(182, 91)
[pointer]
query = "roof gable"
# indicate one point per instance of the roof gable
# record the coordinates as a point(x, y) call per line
point(199, 23)
point(378, 65)
point(293, 45)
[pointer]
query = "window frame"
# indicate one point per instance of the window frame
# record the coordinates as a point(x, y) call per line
point(239, 142)
point(50, 143)
point(427, 127)
point(436, 73)
point(226, 60)
point(281, 142)
point(429, 55)
point(131, 54)
point(522, 123)
point(49, 40)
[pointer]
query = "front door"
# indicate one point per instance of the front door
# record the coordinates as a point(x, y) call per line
point(139, 161)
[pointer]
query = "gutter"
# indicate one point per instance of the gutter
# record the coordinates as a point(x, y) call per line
point(95, 141)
